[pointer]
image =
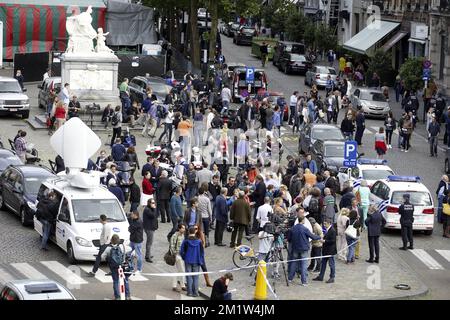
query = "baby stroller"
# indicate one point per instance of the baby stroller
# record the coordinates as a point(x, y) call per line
point(128, 140)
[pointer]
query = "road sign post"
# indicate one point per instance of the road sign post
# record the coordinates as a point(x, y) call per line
point(249, 78)
point(350, 153)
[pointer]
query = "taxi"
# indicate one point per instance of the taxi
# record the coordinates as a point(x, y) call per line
point(370, 170)
point(387, 195)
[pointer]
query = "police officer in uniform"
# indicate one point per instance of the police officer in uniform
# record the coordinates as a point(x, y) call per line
point(406, 212)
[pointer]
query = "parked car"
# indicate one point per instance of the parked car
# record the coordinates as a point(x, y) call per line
point(8, 157)
point(372, 101)
point(244, 35)
point(138, 88)
point(317, 131)
point(293, 62)
point(35, 290)
point(329, 154)
point(19, 186)
point(239, 88)
point(231, 29)
point(286, 47)
point(318, 75)
point(12, 98)
point(44, 90)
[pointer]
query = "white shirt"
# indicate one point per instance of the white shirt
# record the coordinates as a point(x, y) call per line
point(169, 117)
point(265, 241)
point(209, 119)
point(263, 214)
point(226, 94)
point(105, 236)
point(65, 95)
point(293, 101)
point(45, 76)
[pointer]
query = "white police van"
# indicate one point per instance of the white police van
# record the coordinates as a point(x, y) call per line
point(388, 193)
point(370, 170)
point(77, 229)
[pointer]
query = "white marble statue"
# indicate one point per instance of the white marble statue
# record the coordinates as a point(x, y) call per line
point(101, 45)
point(81, 33)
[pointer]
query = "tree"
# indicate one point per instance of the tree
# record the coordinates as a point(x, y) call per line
point(309, 35)
point(276, 14)
point(411, 73)
point(213, 8)
point(295, 26)
point(325, 38)
point(380, 63)
point(194, 38)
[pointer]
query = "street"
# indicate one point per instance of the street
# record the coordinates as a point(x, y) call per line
point(430, 262)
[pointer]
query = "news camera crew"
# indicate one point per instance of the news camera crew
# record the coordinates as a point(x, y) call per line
point(406, 212)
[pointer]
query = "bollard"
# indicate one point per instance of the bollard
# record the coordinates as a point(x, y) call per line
point(121, 283)
point(261, 284)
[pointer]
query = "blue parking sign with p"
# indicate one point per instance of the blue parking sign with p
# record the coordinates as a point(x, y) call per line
point(250, 75)
point(350, 153)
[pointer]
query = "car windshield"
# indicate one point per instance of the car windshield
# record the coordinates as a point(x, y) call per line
point(334, 151)
point(417, 198)
point(327, 133)
point(10, 86)
point(32, 184)
point(5, 162)
point(376, 174)
point(297, 57)
point(89, 210)
point(248, 31)
point(373, 96)
point(160, 87)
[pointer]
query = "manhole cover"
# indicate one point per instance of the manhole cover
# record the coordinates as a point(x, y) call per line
point(402, 286)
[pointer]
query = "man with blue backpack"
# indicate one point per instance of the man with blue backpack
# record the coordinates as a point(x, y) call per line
point(116, 258)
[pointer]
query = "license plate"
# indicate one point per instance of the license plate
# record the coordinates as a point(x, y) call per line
point(12, 109)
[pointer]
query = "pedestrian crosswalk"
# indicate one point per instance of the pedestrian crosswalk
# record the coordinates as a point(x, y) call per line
point(433, 259)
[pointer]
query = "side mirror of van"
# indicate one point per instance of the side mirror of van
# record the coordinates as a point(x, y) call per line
point(24, 90)
point(39, 86)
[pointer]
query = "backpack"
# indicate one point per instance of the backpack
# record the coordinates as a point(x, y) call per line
point(313, 206)
point(161, 112)
point(115, 258)
point(115, 119)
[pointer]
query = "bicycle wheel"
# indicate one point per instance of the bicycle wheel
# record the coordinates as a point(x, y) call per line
point(241, 260)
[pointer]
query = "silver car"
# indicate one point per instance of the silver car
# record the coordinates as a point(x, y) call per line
point(318, 75)
point(12, 98)
point(35, 290)
point(372, 101)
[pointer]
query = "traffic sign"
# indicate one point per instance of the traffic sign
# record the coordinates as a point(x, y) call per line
point(426, 64)
point(350, 153)
point(250, 75)
point(426, 75)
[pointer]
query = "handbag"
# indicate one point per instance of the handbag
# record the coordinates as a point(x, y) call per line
point(170, 257)
point(351, 232)
point(446, 209)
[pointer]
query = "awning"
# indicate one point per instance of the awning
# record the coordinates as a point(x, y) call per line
point(417, 40)
point(392, 41)
point(370, 35)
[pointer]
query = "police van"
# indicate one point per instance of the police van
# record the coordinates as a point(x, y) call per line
point(370, 170)
point(387, 195)
point(77, 228)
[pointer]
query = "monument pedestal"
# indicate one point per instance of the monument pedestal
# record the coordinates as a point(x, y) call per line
point(92, 77)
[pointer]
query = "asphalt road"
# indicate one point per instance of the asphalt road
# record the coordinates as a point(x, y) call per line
point(416, 162)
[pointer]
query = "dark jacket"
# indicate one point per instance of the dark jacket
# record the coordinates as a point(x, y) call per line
point(156, 174)
point(219, 289)
point(214, 190)
point(434, 129)
point(299, 238)
point(47, 210)
point(347, 125)
point(59, 161)
point(150, 219)
point(259, 194)
point(132, 158)
point(176, 208)
point(164, 189)
point(329, 246)
point(346, 200)
point(240, 212)
point(187, 218)
point(221, 209)
point(374, 222)
point(192, 251)
point(118, 152)
point(360, 120)
point(442, 183)
point(146, 168)
point(135, 193)
point(136, 230)
point(406, 212)
point(118, 193)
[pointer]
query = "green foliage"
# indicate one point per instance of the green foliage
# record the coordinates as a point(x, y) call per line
point(309, 35)
point(295, 26)
point(276, 15)
point(381, 63)
point(411, 73)
point(325, 38)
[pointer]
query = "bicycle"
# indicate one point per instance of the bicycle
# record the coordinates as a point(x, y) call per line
point(245, 256)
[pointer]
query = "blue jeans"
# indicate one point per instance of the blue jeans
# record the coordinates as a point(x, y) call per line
point(292, 266)
point(126, 104)
point(46, 228)
point(323, 267)
point(269, 125)
point(137, 247)
point(115, 277)
point(190, 193)
point(439, 211)
point(134, 206)
point(192, 281)
point(351, 249)
point(225, 104)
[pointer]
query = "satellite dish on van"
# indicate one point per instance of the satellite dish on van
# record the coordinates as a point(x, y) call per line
point(75, 142)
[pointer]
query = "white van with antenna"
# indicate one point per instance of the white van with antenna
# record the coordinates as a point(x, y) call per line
point(77, 229)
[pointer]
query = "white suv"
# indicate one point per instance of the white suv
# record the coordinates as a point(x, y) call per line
point(388, 194)
point(12, 98)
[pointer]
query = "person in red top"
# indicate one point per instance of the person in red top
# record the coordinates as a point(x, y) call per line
point(147, 187)
point(60, 114)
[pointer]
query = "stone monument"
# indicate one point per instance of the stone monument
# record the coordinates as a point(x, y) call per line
point(92, 72)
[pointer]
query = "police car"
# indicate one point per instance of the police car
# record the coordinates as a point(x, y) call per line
point(370, 170)
point(387, 195)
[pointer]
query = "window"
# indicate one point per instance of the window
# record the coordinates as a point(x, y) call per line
point(376, 174)
point(355, 171)
point(375, 188)
point(10, 87)
point(88, 210)
point(417, 198)
point(384, 192)
point(373, 96)
point(334, 151)
point(8, 294)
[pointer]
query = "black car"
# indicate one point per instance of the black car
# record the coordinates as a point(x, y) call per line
point(19, 186)
point(329, 154)
point(231, 28)
point(293, 62)
point(283, 47)
point(244, 35)
point(138, 88)
point(317, 131)
point(8, 157)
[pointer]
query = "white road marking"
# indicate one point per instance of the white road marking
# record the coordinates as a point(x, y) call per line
point(100, 275)
point(67, 274)
point(445, 254)
point(5, 276)
point(428, 260)
point(137, 277)
point(159, 297)
point(28, 271)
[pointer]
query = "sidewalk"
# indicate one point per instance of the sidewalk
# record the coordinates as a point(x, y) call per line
point(359, 281)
